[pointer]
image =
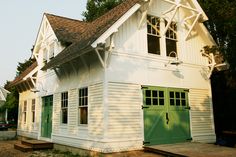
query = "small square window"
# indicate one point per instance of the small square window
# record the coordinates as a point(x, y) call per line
point(148, 93)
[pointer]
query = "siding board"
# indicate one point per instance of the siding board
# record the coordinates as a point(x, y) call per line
point(124, 111)
point(201, 116)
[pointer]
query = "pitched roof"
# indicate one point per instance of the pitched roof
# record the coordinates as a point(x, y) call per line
point(19, 78)
point(86, 35)
point(66, 29)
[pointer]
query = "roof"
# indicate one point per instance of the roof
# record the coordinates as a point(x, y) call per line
point(66, 29)
point(84, 36)
point(19, 78)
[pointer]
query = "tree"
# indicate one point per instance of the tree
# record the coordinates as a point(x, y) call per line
point(12, 99)
point(96, 8)
point(222, 24)
point(22, 66)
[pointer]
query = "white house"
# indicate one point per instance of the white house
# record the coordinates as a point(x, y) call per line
point(135, 76)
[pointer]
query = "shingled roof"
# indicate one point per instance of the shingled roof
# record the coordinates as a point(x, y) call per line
point(82, 38)
point(20, 78)
point(66, 29)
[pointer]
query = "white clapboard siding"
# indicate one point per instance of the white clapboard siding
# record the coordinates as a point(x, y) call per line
point(124, 108)
point(202, 123)
point(72, 111)
point(96, 120)
point(56, 113)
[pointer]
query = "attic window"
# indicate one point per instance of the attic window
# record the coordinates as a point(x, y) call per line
point(171, 39)
point(153, 34)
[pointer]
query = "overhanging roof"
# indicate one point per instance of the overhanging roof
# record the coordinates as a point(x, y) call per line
point(93, 31)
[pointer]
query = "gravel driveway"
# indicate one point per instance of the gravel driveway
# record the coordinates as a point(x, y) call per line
point(7, 150)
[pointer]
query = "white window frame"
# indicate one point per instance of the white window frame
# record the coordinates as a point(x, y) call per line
point(33, 110)
point(64, 106)
point(83, 104)
point(24, 112)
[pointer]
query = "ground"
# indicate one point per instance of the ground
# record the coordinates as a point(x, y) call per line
point(7, 150)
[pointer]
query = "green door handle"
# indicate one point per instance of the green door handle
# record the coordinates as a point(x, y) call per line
point(167, 118)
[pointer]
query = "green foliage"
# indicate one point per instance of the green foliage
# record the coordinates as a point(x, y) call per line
point(222, 26)
point(11, 103)
point(24, 65)
point(96, 8)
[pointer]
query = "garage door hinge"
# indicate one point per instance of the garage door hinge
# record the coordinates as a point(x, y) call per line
point(189, 139)
point(143, 87)
point(188, 108)
point(144, 107)
point(144, 142)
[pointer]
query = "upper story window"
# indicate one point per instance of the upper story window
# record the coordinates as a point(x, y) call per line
point(171, 40)
point(153, 34)
point(155, 26)
point(64, 107)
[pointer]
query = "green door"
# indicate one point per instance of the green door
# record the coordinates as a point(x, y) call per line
point(46, 126)
point(166, 115)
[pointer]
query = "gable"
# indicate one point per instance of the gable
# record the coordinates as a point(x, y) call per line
point(45, 37)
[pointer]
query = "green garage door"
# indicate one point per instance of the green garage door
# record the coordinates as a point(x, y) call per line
point(166, 115)
point(46, 125)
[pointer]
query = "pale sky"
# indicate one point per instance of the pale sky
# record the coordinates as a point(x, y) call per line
point(19, 24)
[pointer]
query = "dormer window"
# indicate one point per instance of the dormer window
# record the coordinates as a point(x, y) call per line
point(153, 34)
point(171, 40)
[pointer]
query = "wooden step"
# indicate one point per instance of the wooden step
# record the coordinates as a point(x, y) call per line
point(37, 144)
point(23, 148)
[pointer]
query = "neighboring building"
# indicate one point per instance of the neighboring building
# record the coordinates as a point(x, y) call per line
point(3, 96)
point(135, 76)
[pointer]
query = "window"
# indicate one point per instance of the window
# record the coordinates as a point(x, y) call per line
point(33, 110)
point(154, 97)
point(24, 111)
point(171, 40)
point(178, 98)
point(64, 107)
point(153, 34)
point(83, 105)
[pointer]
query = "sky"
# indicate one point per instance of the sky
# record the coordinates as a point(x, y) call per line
point(19, 25)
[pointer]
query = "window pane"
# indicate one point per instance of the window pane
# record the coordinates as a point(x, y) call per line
point(183, 95)
point(172, 95)
point(154, 93)
point(183, 102)
point(161, 94)
point(177, 102)
point(83, 115)
point(177, 95)
point(170, 47)
point(148, 101)
point(161, 102)
point(148, 93)
point(153, 44)
point(155, 101)
point(172, 102)
point(64, 116)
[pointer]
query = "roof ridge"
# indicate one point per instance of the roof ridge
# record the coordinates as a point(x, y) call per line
point(59, 16)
